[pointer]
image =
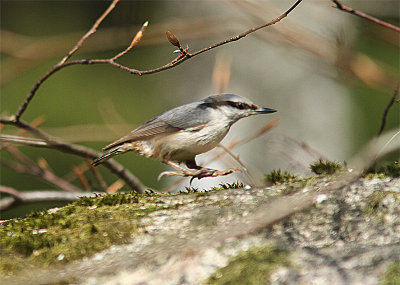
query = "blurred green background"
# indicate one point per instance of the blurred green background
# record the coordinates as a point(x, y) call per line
point(328, 73)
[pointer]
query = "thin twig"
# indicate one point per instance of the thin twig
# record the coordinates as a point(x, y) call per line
point(92, 30)
point(340, 6)
point(96, 174)
point(134, 42)
point(82, 151)
point(386, 111)
point(252, 30)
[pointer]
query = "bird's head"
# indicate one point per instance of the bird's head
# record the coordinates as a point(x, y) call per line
point(234, 107)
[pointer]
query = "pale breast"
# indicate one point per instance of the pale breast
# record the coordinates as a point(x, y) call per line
point(184, 145)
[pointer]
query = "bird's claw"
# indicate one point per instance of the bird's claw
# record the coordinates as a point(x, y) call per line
point(199, 174)
point(169, 173)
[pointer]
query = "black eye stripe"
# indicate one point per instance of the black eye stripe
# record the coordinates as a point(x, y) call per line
point(239, 105)
point(233, 104)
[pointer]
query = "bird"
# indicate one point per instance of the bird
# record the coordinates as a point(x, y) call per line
point(178, 135)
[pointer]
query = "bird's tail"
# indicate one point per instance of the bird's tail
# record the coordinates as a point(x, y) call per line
point(112, 152)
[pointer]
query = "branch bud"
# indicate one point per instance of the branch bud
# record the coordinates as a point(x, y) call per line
point(172, 39)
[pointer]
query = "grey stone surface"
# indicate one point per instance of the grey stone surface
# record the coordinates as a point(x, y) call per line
point(333, 241)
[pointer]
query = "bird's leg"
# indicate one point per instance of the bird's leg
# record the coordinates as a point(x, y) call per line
point(182, 171)
point(208, 172)
point(199, 173)
point(192, 164)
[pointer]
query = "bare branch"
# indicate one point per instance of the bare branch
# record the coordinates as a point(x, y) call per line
point(182, 58)
point(340, 6)
point(24, 165)
point(40, 196)
point(59, 65)
point(11, 191)
point(22, 141)
point(82, 151)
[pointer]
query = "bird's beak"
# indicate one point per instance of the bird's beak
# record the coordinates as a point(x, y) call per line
point(262, 110)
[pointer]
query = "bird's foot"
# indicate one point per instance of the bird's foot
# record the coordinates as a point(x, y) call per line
point(201, 173)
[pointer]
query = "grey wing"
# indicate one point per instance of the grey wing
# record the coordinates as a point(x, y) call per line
point(177, 119)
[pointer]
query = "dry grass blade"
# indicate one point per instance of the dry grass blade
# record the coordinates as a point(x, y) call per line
point(259, 132)
point(96, 174)
point(117, 185)
point(221, 75)
point(79, 173)
point(36, 123)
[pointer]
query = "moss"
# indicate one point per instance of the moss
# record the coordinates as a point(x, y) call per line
point(108, 200)
point(226, 186)
point(390, 170)
point(190, 190)
point(79, 229)
point(392, 275)
point(254, 266)
point(374, 203)
point(372, 175)
point(279, 177)
point(325, 167)
point(221, 186)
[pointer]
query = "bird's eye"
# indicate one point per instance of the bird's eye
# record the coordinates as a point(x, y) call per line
point(241, 106)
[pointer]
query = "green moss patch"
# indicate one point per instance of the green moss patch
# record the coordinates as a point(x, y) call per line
point(221, 186)
point(389, 170)
point(325, 167)
point(79, 229)
point(278, 177)
point(227, 186)
point(392, 275)
point(251, 267)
